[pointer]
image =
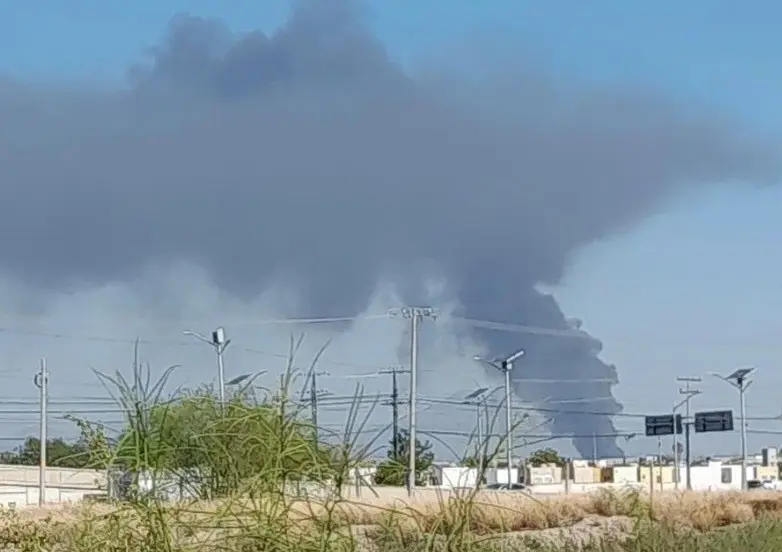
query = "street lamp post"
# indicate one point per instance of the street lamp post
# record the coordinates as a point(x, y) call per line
point(478, 398)
point(219, 343)
point(688, 392)
point(676, 460)
point(738, 379)
point(506, 366)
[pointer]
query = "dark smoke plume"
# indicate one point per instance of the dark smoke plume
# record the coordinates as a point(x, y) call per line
point(308, 154)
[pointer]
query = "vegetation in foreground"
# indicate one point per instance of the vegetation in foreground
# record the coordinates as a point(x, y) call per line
point(488, 522)
point(260, 480)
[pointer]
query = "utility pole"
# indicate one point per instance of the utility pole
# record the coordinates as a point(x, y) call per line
point(480, 440)
point(676, 453)
point(675, 450)
point(315, 393)
point(594, 449)
point(394, 403)
point(314, 406)
point(395, 416)
point(651, 482)
point(738, 379)
point(41, 381)
point(688, 392)
point(506, 368)
point(415, 315)
point(660, 460)
point(395, 407)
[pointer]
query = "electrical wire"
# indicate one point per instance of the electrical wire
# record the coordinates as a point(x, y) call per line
point(304, 321)
point(335, 401)
point(378, 369)
point(6, 326)
point(91, 401)
point(472, 434)
point(5, 412)
point(381, 399)
point(528, 408)
point(764, 431)
point(522, 328)
point(320, 320)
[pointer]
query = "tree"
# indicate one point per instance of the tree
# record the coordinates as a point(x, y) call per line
point(100, 449)
point(393, 471)
point(545, 456)
point(474, 461)
point(244, 441)
point(59, 453)
point(250, 444)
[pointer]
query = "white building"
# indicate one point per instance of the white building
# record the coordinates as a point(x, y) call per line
point(717, 476)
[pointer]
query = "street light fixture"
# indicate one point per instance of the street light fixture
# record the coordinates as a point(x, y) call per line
point(506, 366)
point(219, 343)
point(238, 380)
point(738, 379)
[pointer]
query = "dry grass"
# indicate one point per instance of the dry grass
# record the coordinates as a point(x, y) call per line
point(432, 514)
point(493, 512)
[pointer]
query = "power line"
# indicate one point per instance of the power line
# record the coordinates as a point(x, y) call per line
point(248, 321)
point(320, 320)
point(174, 343)
point(764, 431)
point(92, 401)
point(521, 406)
point(475, 323)
point(458, 433)
point(347, 400)
point(525, 329)
point(493, 325)
point(65, 412)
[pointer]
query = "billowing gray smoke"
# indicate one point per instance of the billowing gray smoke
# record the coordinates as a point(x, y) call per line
point(310, 155)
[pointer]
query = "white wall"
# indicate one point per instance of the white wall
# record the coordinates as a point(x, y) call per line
point(581, 488)
point(66, 477)
point(704, 478)
point(500, 475)
point(456, 477)
point(365, 474)
point(626, 474)
point(710, 478)
point(19, 485)
point(15, 496)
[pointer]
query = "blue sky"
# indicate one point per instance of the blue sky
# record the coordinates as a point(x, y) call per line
point(689, 291)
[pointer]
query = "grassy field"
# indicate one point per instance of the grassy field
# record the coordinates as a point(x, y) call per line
point(481, 522)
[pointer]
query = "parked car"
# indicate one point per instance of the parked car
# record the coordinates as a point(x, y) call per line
point(765, 485)
point(754, 485)
point(506, 487)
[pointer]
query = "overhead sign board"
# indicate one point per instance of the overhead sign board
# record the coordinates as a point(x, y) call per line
point(666, 424)
point(717, 420)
